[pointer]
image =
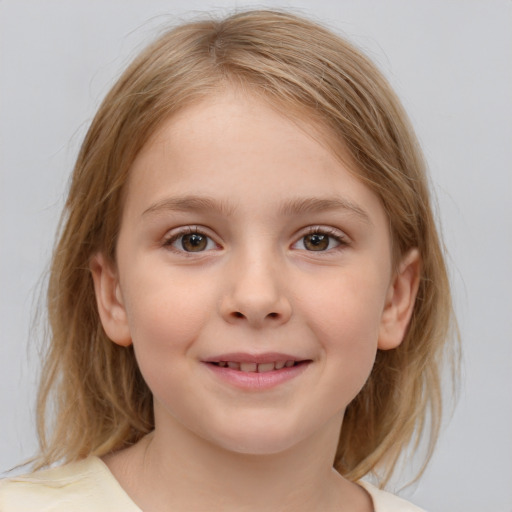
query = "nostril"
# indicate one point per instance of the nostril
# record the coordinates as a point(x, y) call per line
point(272, 315)
point(237, 314)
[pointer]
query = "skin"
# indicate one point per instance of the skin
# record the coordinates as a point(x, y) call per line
point(257, 287)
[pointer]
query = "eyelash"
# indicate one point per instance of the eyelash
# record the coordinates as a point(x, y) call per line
point(189, 230)
point(332, 234)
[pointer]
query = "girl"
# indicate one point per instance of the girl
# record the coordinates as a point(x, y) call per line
point(248, 301)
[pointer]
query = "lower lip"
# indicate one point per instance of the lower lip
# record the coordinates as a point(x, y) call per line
point(255, 380)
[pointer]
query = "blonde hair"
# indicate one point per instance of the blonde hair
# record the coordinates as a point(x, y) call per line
point(91, 387)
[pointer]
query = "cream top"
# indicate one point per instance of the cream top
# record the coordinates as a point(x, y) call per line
point(88, 485)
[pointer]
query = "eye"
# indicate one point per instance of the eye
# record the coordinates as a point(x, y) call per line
point(191, 241)
point(320, 240)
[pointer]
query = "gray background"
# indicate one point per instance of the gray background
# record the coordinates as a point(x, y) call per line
point(451, 63)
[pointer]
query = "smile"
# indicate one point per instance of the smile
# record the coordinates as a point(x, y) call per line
point(256, 372)
point(256, 367)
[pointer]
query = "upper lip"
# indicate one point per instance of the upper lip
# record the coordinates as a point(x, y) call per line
point(241, 357)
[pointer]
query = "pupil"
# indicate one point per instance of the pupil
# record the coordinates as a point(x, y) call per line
point(316, 242)
point(193, 242)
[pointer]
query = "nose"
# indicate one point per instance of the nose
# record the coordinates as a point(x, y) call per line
point(256, 293)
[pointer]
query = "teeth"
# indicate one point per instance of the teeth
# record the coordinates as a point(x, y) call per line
point(255, 367)
point(248, 367)
point(265, 367)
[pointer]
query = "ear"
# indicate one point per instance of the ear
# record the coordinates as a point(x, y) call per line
point(400, 301)
point(110, 301)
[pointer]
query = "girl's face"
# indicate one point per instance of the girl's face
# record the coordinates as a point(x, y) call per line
point(254, 277)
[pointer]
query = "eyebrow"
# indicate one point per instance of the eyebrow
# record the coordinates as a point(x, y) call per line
point(315, 205)
point(299, 206)
point(190, 203)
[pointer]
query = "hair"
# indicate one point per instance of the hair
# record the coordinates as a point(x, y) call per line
point(92, 398)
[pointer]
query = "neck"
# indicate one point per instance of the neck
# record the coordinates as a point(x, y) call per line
point(159, 473)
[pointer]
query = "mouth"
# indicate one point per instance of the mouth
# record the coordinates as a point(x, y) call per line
point(255, 367)
point(257, 372)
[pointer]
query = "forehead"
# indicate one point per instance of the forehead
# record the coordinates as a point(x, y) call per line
point(233, 143)
point(214, 116)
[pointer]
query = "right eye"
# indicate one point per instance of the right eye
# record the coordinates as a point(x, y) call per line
point(190, 241)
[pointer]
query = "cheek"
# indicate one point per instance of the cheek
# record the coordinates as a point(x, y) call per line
point(345, 316)
point(164, 326)
point(346, 303)
point(166, 314)
point(160, 299)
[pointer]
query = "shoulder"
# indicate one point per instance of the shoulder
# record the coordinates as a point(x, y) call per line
point(386, 502)
point(79, 486)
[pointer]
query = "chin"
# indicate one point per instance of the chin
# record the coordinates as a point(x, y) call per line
point(259, 438)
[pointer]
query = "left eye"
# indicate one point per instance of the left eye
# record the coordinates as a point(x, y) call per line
point(318, 241)
point(191, 242)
